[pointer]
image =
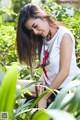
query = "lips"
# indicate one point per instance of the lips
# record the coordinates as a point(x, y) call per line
point(41, 34)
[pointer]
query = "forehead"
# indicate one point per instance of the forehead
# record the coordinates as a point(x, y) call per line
point(30, 22)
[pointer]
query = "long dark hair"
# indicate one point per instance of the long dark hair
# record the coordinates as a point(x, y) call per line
point(27, 43)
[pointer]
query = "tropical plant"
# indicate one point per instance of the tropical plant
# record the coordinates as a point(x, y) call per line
point(66, 104)
point(8, 91)
point(7, 39)
point(17, 4)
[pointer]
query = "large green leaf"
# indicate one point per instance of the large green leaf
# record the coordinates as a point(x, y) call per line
point(51, 115)
point(59, 115)
point(59, 98)
point(74, 105)
point(8, 90)
point(40, 115)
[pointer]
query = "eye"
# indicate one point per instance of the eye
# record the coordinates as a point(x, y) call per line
point(35, 26)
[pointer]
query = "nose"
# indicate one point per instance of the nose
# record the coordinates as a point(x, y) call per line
point(35, 31)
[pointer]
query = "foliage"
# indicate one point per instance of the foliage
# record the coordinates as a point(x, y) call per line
point(52, 115)
point(26, 73)
point(67, 102)
point(17, 4)
point(7, 39)
point(66, 105)
point(8, 90)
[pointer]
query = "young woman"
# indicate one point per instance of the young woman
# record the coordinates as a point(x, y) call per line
point(38, 32)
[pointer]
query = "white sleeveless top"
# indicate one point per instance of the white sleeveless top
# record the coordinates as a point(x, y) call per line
point(51, 70)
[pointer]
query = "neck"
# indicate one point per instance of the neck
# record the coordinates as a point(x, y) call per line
point(52, 32)
point(49, 36)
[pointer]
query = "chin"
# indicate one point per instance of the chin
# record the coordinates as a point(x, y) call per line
point(45, 35)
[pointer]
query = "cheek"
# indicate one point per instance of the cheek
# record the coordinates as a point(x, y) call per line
point(47, 28)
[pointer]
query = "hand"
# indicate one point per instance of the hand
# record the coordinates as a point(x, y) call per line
point(42, 103)
point(41, 88)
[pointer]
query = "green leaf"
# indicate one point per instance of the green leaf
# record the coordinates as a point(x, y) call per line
point(40, 115)
point(74, 105)
point(66, 101)
point(46, 114)
point(26, 89)
point(24, 106)
point(40, 97)
point(8, 90)
point(59, 115)
point(24, 111)
point(59, 98)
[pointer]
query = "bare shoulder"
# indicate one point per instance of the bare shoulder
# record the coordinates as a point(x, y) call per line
point(66, 39)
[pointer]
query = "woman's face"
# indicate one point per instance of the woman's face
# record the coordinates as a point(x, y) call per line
point(38, 26)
